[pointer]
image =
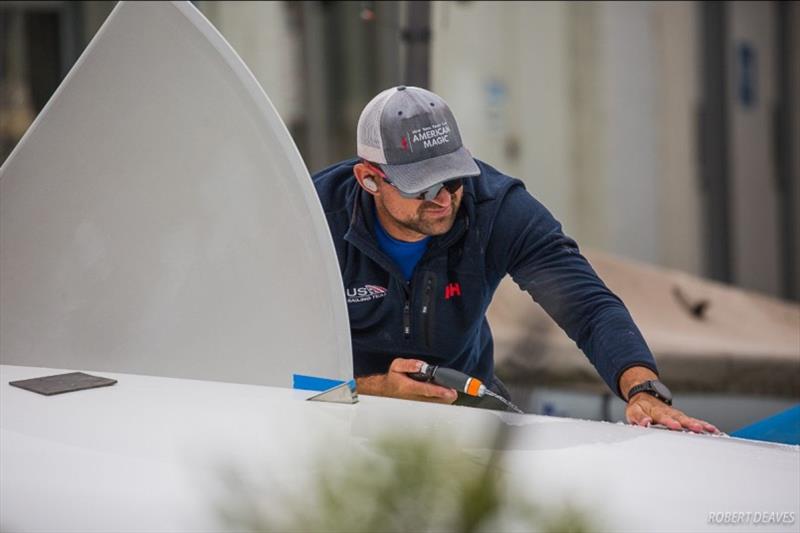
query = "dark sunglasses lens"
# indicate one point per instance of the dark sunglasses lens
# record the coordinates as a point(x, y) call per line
point(429, 194)
point(453, 185)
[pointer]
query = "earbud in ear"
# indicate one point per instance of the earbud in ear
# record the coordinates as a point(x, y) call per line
point(370, 185)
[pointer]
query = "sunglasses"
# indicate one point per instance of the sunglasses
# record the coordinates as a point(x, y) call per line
point(427, 194)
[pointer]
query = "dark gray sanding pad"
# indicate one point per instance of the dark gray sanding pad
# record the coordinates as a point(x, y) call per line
point(61, 383)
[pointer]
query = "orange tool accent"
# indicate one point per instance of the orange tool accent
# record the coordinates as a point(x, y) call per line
point(473, 387)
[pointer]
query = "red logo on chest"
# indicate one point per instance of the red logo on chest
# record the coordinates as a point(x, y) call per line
point(452, 290)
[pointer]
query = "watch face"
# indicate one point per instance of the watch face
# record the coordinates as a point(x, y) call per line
point(661, 389)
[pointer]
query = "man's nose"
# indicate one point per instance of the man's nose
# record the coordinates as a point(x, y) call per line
point(443, 198)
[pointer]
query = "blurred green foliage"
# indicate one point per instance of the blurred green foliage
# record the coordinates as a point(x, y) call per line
point(397, 485)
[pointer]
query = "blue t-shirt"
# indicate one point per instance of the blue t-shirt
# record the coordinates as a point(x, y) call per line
point(405, 254)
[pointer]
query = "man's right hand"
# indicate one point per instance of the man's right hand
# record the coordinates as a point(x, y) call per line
point(397, 384)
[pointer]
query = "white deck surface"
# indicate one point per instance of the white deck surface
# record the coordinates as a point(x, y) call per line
point(146, 455)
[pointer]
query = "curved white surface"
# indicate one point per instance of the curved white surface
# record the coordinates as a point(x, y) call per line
point(158, 219)
point(146, 455)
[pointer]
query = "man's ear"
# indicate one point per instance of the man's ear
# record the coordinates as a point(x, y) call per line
point(365, 178)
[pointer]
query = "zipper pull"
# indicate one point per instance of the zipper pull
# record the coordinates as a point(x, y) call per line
point(407, 319)
point(427, 301)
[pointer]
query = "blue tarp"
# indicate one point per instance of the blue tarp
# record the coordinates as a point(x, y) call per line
point(783, 427)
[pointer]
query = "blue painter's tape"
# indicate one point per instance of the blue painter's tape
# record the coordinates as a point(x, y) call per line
point(315, 383)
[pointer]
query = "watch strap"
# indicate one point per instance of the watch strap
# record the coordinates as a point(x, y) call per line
point(648, 388)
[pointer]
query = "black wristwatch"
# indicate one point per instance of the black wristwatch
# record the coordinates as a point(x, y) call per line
point(654, 388)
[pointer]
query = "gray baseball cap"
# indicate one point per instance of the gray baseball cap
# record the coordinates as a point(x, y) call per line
point(413, 136)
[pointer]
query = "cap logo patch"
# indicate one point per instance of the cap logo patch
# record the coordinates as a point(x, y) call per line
point(404, 144)
point(431, 136)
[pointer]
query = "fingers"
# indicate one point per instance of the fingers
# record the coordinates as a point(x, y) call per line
point(666, 420)
point(689, 423)
point(405, 365)
point(399, 385)
point(447, 396)
point(697, 425)
point(636, 415)
point(429, 391)
point(641, 414)
point(436, 393)
point(679, 420)
point(644, 410)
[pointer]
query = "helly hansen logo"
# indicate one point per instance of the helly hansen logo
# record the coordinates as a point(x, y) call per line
point(365, 293)
point(452, 290)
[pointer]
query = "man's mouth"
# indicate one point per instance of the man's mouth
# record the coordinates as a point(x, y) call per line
point(439, 211)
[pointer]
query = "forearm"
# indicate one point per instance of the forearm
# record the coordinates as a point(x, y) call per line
point(589, 313)
point(547, 264)
point(371, 385)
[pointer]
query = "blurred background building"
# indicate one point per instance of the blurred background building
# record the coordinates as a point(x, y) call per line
point(662, 132)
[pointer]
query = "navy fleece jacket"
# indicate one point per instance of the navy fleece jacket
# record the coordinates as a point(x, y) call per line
point(439, 315)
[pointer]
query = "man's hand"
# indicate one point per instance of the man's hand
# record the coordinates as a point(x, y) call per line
point(644, 409)
point(397, 384)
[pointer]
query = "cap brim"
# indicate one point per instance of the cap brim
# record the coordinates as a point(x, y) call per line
point(413, 178)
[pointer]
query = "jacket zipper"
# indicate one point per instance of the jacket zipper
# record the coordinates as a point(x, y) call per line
point(426, 310)
point(358, 236)
point(407, 318)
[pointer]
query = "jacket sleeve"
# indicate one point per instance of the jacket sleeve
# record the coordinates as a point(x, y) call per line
point(529, 244)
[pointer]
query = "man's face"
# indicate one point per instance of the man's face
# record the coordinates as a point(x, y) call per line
point(424, 217)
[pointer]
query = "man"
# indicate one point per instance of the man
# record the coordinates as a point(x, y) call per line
point(424, 234)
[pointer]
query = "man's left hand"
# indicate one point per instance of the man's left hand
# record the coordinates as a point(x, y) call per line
point(644, 409)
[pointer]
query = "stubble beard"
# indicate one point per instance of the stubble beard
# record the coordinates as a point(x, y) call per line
point(422, 223)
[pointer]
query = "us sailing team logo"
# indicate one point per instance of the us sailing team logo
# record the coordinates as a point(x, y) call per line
point(365, 293)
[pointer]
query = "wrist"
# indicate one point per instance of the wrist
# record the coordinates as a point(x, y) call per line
point(633, 376)
point(653, 388)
